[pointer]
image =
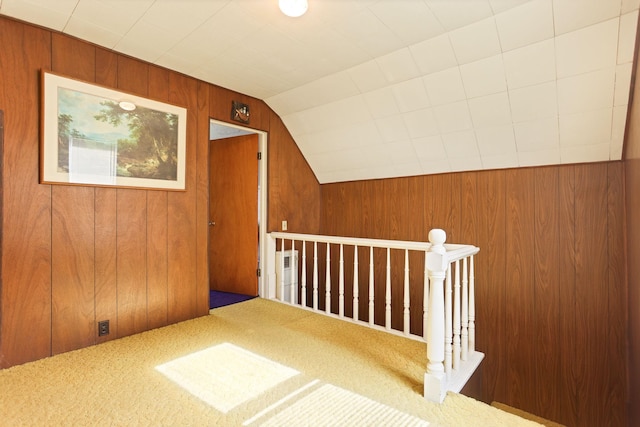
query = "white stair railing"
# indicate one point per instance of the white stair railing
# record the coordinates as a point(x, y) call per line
point(447, 323)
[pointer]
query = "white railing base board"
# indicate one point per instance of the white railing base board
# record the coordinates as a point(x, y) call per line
point(436, 387)
point(459, 377)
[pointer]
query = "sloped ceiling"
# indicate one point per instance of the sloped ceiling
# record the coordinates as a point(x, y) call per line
point(386, 88)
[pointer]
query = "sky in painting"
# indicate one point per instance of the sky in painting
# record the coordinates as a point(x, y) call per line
point(83, 108)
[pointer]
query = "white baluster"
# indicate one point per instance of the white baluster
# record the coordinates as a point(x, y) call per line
point(407, 301)
point(447, 323)
point(434, 378)
point(465, 311)
point(281, 281)
point(327, 289)
point(294, 280)
point(456, 318)
point(425, 298)
point(356, 290)
point(371, 288)
point(387, 306)
point(303, 277)
point(341, 283)
point(315, 275)
point(472, 307)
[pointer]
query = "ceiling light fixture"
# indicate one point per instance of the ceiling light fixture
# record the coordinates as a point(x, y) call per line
point(293, 8)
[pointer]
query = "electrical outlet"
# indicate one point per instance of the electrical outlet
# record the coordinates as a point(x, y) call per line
point(284, 226)
point(103, 328)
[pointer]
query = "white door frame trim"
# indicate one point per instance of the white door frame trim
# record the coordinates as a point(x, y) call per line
point(262, 200)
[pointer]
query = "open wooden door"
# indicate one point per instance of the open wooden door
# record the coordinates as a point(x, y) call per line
point(233, 215)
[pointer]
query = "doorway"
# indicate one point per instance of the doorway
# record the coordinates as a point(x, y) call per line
point(237, 208)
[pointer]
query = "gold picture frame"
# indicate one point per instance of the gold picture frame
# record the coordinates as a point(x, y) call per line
point(93, 135)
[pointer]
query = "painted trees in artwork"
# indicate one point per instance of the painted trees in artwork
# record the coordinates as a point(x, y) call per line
point(151, 149)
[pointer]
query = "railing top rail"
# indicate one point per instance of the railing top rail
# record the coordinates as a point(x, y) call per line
point(454, 251)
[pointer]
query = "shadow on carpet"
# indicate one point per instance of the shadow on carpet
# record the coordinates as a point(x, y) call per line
point(220, 299)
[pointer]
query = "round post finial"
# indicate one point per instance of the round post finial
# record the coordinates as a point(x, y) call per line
point(437, 236)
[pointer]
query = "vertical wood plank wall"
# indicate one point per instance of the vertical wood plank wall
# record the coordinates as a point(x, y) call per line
point(632, 204)
point(632, 210)
point(75, 255)
point(549, 276)
point(1, 195)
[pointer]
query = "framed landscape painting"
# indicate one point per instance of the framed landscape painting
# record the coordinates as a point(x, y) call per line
point(92, 135)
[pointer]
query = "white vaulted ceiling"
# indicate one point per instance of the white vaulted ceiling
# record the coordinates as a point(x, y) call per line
point(387, 88)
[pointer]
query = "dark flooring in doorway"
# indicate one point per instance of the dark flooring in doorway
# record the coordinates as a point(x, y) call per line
point(220, 299)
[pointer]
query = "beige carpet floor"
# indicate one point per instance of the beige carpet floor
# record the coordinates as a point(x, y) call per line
point(254, 363)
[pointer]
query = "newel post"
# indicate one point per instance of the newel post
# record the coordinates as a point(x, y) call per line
point(434, 377)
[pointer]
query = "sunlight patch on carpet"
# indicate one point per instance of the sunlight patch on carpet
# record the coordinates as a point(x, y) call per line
point(333, 406)
point(225, 376)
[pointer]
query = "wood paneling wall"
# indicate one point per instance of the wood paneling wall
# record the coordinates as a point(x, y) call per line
point(632, 205)
point(1, 198)
point(74, 255)
point(632, 190)
point(294, 192)
point(550, 281)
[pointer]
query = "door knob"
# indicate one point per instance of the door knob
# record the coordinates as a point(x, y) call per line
point(212, 223)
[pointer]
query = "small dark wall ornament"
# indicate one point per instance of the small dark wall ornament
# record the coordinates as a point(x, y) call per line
point(239, 112)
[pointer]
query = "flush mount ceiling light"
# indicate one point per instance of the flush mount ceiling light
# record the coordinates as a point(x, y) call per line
point(127, 106)
point(293, 8)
